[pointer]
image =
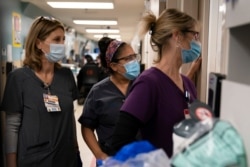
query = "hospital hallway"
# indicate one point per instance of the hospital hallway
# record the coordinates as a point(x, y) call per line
point(218, 31)
point(87, 157)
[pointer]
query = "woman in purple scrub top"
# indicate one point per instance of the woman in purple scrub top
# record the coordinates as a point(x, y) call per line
point(160, 95)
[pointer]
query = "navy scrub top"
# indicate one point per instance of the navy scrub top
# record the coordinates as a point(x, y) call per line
point(101, 111)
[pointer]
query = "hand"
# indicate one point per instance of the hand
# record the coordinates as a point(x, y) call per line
point(102, 156)
point(195, 66)
point(11, 160)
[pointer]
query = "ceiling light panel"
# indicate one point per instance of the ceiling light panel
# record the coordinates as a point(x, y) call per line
point(82, 5)
point(112, 31)
point(95, 22)
point(108, 35)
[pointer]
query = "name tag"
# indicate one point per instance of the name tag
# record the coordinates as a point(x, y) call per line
point(51, 103)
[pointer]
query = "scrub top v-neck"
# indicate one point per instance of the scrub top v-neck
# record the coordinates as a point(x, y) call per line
point(101, 111)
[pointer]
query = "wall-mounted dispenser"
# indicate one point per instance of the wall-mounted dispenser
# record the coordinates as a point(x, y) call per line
point(214, 92)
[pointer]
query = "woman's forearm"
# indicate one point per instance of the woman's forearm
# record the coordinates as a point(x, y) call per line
point(90, 139)
point(13, 122)
point(11, 160)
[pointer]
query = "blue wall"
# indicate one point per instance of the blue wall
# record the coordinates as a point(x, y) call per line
point(27, 12)
point(7, 7)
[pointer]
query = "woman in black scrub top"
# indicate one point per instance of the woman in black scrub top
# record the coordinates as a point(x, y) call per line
point(38, 102)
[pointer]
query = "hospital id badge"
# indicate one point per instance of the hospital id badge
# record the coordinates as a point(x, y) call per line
point(51, 103)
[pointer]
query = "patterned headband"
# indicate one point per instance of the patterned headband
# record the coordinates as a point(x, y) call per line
point(112, 48)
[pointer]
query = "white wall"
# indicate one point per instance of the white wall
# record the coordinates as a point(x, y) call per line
point(148, 54)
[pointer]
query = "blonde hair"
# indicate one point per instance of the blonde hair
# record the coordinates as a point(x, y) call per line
point(161, 29)
point(40, 29)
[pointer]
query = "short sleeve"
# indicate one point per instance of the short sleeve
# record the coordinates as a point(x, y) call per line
point(89, 116)
point(75, 92)
point(141, 100)
point(12, 98)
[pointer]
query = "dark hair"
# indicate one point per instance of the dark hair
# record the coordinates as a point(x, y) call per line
point(89, 58)
point(103, 44)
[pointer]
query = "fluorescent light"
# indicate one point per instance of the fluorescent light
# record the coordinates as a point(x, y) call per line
point(110, 36)
point(103, 31)
point(82, 5)
point(96, 22)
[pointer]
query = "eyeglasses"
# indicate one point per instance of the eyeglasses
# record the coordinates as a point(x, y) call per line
point(195, 34)
point(130, 58)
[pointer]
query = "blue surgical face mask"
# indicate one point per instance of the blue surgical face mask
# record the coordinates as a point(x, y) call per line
point(132, 69)
point(57, 52)
point(191, 54)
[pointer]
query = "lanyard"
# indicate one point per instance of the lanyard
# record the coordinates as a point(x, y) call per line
point(47, 86)
point(187, 97)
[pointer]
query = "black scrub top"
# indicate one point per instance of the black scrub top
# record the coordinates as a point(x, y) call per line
point(101, 111)
point(45, 138)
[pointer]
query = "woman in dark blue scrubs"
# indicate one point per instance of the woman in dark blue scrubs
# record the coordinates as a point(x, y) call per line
point(38, 102)
point(102, 105)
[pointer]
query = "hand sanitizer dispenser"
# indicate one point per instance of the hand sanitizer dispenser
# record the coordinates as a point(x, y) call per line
point(214, 92)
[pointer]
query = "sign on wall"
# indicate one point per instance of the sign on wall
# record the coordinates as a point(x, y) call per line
point(16, 29)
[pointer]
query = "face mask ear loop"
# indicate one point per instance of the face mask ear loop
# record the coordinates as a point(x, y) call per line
point(43, 52)
point(118, 71)
point(178, 43)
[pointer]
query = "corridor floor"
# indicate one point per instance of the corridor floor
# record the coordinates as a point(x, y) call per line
point(87, 157)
